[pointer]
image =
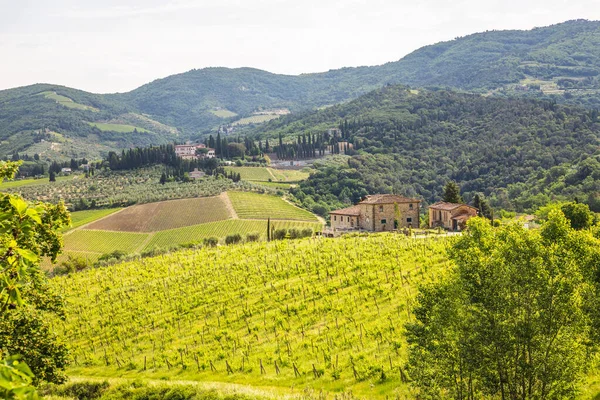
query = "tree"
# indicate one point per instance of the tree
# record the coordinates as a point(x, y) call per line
point(481, 204)
point(163, 178)
point(28, 231)
point(510, 320)
point(52, 177)
point(452, 193)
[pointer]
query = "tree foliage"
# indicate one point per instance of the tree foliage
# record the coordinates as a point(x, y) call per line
point(512, 319)
point(28, 231)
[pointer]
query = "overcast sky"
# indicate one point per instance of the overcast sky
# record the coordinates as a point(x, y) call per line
point(117, 45)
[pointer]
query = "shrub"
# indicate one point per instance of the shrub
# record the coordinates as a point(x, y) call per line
point(117, 255)
point(295, 233)
point(253, 237)
point(307, 232)
point(71, 264)
point(233, 239)
point(79, 390)
point(211, 242)
point(280, 234)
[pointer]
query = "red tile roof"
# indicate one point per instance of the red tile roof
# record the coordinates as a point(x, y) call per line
point(354, 210)
point(387, 199)
point(442, 205)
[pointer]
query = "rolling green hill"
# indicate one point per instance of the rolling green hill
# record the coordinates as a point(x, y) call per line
point(521, 153)
point(559, 62)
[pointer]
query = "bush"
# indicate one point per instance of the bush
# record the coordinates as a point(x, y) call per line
point(211, 242)
point(117, 255)
point(307, 232)
point(78, 390)
point(280, 234)
point(253, 237)
point(233, 239)
point(71, 264)
point(295, 233)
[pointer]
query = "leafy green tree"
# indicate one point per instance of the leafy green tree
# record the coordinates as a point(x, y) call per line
point(511, 320)
point(452, 193)
point(578, 214)
point(28, 231)
point(481, 204)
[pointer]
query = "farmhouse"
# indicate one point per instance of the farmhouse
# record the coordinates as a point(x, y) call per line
point(188, 151)
point(378, 213)
point(451, 216)
point(195, 174)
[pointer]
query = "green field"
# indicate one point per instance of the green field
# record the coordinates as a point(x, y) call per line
point(33, 182)
point(335, 305)
point(79, 218)
point(264, 174)
point(121, 128)
point(223, 113)
point(67, 102)
point(222, 229)
point(255, 119)
point(261, 206)
point(104, 241)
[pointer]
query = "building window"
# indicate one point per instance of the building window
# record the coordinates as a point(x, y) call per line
point(348, 219)
point(409, 220)
point(335, 218)
point(380, 208)
point(410, 206)
point(384, 221)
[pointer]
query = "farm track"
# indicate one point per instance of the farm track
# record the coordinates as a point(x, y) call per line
point(227, 201)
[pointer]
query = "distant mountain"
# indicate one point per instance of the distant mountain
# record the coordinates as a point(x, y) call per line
point(560, 62)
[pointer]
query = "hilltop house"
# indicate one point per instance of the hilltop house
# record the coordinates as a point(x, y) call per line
point(188, 151)
point(451, 216)
point(378, 213)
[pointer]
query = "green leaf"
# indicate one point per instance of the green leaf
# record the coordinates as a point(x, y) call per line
point(19, 204)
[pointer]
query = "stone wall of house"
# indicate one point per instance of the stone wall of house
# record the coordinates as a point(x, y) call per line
point(445, 221)
point(381, 217)
point(344, 221)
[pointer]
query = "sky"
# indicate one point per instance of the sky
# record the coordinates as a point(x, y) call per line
point(111, 46)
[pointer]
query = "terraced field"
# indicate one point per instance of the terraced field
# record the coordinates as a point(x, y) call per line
point(262, 206)
point(121, 128)
point(165, 215)
point(221, 229)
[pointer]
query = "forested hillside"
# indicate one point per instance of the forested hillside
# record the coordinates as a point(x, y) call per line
point(520, 153)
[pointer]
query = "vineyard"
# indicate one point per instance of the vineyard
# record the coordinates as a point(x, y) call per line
point(321, 313)
point(221, 229)
point(263, 174)
point(79, 218)
point(165, 215)
point(122, 188)
point(261, 206)
point(83, 240)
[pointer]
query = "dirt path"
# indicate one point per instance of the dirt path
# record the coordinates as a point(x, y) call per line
point(145, 242)
point(272, 174)
point(229, 205)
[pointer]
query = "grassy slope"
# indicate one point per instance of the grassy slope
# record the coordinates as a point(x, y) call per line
point(121, 128)
point(322, 302)
point(258, 206)
point(32, 182)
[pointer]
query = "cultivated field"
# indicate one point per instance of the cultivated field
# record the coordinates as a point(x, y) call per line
point(255, 119)
point(262, 206)
point(79, 218)
point(121, 128)
point(67, 102)
point(223, 113)
point(100, 242)
point(32, 182)
point(316, 313)
point(222, 229)
point(263, 174)
point(165, 215)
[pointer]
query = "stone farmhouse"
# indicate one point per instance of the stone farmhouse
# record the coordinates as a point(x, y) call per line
point(452, 216)
point(377, 213)
point(188, 151)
